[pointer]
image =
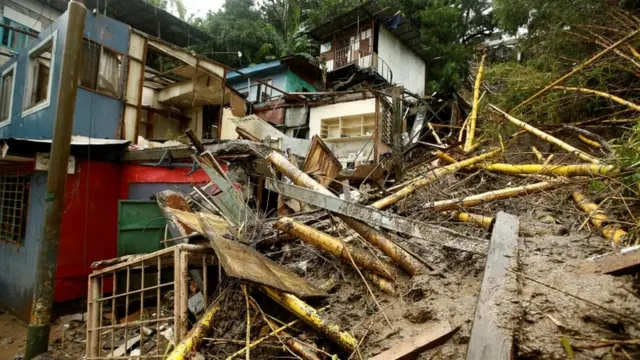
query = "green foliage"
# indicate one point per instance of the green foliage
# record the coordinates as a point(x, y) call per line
point(167, 4)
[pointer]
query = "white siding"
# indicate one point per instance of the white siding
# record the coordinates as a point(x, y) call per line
point(408, 69)
point(38, 7)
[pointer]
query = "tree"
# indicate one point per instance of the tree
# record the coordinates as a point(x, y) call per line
point(165, 5)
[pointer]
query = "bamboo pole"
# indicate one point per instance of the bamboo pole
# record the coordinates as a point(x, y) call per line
point(599, 218)
point(334, 246)
point(589, 142)
point(547, 137)
point(372, 235)
point(383, 284)
point(481, 220)
point(556, 170)
point(538, 154)
point(445, 157)
point(605, 95)
point(193, 340)
point(576, 70)
point(471, 130)
point(493, 196)
point(311, 317)
point(433, 176)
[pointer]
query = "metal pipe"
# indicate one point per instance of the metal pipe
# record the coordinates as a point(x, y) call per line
point(47, 260)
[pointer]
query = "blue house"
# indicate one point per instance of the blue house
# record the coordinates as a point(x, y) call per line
point(130, 85)
point(289, 74)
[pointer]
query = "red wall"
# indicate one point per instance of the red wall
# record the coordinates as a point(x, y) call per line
point(139, 174)
point(89, 225)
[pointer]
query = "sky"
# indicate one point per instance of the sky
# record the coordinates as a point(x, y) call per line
point(200, 7)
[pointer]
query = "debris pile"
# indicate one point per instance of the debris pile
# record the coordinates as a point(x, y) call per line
point(460, 247)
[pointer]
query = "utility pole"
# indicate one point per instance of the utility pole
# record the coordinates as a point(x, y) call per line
point(39, 324)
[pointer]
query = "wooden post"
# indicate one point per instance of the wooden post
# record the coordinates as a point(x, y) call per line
point(184, 293)
point(47, 251)
point(177, 296)
point(492, 332)
point(93, 315)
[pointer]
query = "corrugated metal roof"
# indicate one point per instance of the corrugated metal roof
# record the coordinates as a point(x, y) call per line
point(144, 17)
point(396, 24)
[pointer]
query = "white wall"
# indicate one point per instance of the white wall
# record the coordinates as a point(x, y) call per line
point(408, 69)
point(317, 113)
point(38, 7)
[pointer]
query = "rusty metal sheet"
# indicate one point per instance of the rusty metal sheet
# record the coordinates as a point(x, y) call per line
point(243, 262)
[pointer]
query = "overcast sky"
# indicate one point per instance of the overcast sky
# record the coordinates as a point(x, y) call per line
point(200, 7)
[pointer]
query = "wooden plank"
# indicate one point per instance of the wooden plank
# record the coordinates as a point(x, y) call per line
point(492, 334)
point(432, 336)
point(626, 259)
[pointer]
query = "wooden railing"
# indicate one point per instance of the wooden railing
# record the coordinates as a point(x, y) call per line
point(363, 59)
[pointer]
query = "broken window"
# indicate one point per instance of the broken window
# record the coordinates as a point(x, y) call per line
point(325, 47)
point(14, 200)
point(6, 94)
point(101, 70)
point(38, 89)
point(266, 91)
point(11, 38)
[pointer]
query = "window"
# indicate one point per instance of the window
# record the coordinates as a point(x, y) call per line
point(39, 80)
point(6, 94)
point(325, 47)
point(101, 70)
point(11, 38)
point(265, 91)
point(14, 201)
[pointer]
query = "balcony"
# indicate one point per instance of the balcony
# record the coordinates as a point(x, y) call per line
point(362, 60)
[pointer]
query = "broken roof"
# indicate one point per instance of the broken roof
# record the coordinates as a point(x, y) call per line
point(385, 16)
point(144, 17)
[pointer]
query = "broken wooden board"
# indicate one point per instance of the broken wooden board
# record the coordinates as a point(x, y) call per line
point(370, 215)
point(491, 334)
point(242, 262)
point(320, 162)
point(626, 259)
point(190, 220)
point(434, 335)
point(229, 201)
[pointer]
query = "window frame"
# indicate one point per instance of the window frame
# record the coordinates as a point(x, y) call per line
point(24, 211)
point(11, 68)
point(123, 74)
point(53, 38)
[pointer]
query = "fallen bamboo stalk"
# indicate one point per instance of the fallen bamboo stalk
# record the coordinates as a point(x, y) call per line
point(372, 235)
point(576, 70)
point(194, 339)
point(266, 337)
point(588, 141)
point(445, 157)
point(480, 220)
point(383, 284)
point(547, 137)
point(334, 246)
point(599, 218)
point(471, 130)
point(492, 196)
point(605, 95)
point(311, 317)
point(433, 176)
point(538, 154)
point(556, 170)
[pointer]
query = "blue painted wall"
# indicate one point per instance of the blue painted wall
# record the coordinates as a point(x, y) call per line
point(276, 71)
point(18, 262)
point(96, 115)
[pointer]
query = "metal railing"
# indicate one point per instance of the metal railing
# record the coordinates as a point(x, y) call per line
point(363, 59)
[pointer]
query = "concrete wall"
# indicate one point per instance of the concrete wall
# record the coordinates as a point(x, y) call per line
point(408, 69)
point(32, 9)
point(96, 115)
point(316, 114)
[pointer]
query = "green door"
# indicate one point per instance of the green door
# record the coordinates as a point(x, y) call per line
point(140, 227)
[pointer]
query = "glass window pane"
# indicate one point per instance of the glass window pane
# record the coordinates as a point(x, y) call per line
point(110, 73)
point(89, 68)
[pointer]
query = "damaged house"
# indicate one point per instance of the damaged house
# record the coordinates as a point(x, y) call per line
point(132, 87)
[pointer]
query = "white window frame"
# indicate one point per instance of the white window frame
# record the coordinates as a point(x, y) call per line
point(13, 87)
point(44, 104)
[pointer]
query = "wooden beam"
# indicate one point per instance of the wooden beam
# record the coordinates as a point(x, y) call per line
point(626, 259)
point(432, 336)
point(491, 334)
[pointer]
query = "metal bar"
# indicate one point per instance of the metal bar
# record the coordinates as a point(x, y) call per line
point(370, 215)
point(47, 258)
point(134, 292)
point(142, 322)
point(29, 32)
